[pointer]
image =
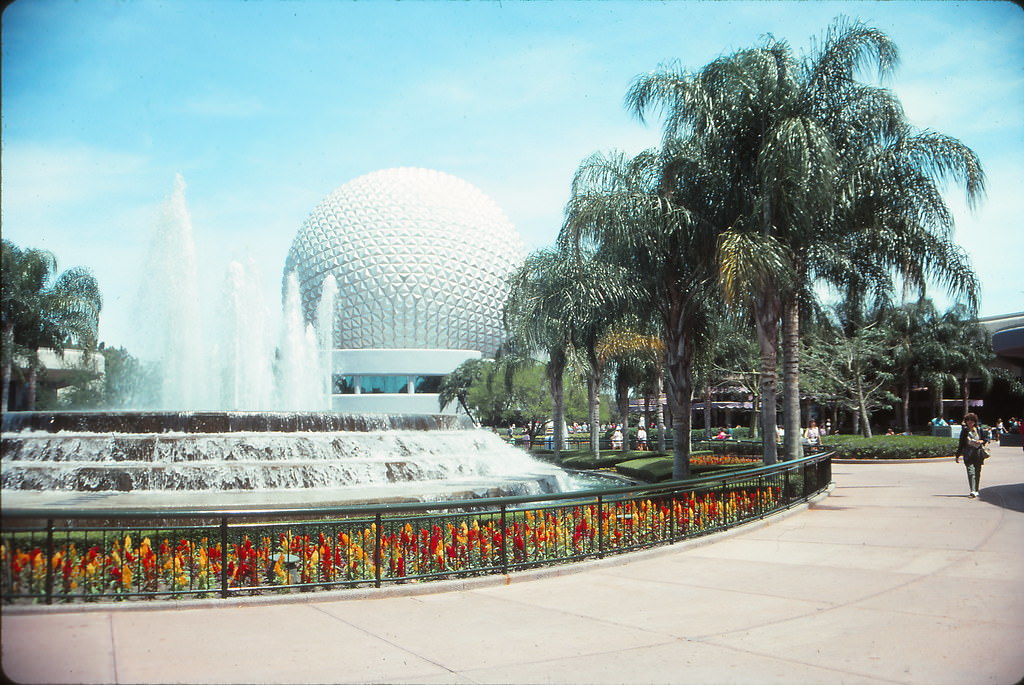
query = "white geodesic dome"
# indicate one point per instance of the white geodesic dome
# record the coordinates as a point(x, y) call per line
point(420, 258)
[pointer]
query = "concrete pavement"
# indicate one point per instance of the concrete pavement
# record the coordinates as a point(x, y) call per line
point(896, 577)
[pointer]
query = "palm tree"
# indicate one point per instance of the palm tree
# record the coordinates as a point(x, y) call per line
point(648, 215)
point(825, 175)
point(773, 165)
point(637, 358)
point(968, 350)
point(560, 301)
point(40, 311)
point(918, 350)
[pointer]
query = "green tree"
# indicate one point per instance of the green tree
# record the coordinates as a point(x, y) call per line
point(855, 362)
point(518, 394)
point(967, 351)
point(128, 382)
point(44, 309)
point(637, 359)
point(560, 301)
point(455, 386)
point(917, 351)
point(649, 215)
point(822, 175)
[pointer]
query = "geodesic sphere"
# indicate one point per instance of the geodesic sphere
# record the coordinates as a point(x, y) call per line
point(420, 258)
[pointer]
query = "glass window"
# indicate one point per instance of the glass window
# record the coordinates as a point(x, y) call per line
point(346, 385)
point(428, 384)
point(389, 385)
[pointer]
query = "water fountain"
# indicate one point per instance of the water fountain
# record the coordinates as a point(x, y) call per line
point(254, 433)
point(251, 459)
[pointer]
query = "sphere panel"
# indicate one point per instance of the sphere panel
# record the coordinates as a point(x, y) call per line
point(420, 258)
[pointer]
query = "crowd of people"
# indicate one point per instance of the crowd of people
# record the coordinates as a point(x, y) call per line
point(990, 432)
point(812, 435)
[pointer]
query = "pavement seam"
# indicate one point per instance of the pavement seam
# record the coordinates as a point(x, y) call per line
point(838, 671)
point(382, 639)
point(113, 647)
point(579, 655)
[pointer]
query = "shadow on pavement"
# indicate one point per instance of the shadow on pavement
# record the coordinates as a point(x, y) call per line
point(1006, 496)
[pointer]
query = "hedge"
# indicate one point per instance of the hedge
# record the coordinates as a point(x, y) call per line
point(889, 446)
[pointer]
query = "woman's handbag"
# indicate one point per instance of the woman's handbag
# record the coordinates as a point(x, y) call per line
point(985, 451)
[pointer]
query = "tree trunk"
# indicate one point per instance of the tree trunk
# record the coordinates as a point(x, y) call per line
point(461, 397)
point(8, 362)
point(792, 447)
point(766, 314)
point(649, 414)
point(658, 390)
point(594, 402)
point(679, 363)
point(755, 417)
point(33, 382)
point(681, 448)
point(622, 400)
point(708, 416)
point(862, 409)
point(6, 385)
point(965, 392)
point(556, 368)
point(905, 404)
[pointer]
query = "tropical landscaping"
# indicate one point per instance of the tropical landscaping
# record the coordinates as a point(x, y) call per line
point(779, 246)
point(775, 255)
point(770, 262)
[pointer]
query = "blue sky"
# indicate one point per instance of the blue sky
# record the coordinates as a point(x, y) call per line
point(266, 106)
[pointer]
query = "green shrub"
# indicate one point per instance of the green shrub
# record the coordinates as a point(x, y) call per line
point(649, 469)
point(585, 460)
point(889, 446)
point(750, 447)
point(658, 467)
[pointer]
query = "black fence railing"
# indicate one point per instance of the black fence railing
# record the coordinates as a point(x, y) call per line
point(78, 555)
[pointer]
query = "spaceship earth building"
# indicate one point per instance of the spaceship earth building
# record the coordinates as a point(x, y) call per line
point(420, 259)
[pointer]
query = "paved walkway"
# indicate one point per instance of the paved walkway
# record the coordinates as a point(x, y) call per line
point(897, 577)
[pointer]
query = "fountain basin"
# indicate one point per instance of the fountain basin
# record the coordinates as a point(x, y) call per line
point(173, 459)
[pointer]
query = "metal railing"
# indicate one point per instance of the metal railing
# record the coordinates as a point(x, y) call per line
point(75, 555)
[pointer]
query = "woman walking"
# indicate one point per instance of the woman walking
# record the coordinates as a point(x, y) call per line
point(970, 448)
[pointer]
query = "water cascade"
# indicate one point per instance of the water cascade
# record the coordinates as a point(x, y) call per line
point(259, 457)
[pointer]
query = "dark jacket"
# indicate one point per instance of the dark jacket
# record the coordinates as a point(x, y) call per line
point(962, 445)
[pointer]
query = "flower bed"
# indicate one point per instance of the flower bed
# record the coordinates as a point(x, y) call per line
point(394, 545)
point(659, 468)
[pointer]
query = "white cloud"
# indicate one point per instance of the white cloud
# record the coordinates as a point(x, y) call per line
point(49, 175)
